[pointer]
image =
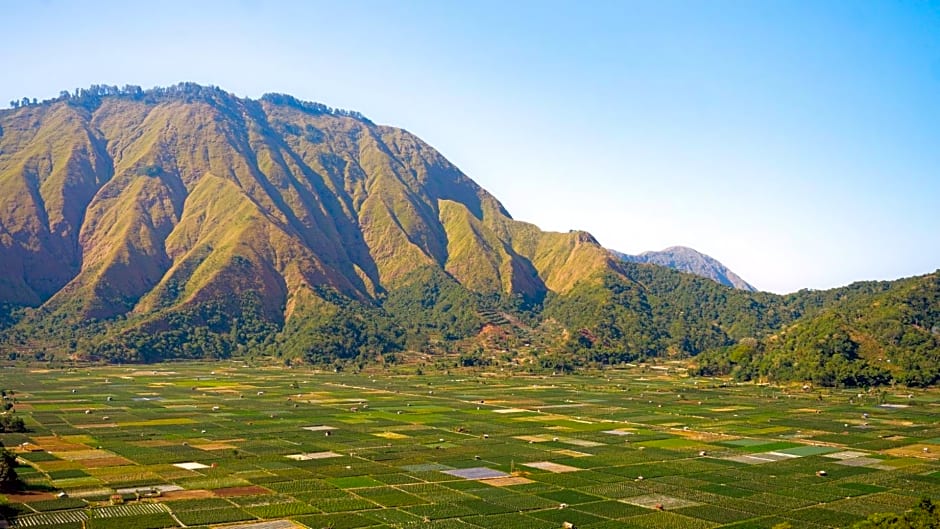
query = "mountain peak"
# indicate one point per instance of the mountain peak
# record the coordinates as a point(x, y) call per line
point(690, 260)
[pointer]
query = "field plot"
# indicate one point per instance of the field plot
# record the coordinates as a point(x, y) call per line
point(226, 445)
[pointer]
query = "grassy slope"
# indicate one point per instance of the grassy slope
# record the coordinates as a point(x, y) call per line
point(171, 203)
point(51, 165)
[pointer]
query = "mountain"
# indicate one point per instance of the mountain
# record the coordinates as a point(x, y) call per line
point(190, 207)
point(689, 260)
point(185, 222)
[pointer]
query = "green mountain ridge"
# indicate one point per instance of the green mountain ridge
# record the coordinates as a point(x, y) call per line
point(866, 334)
point(185, 222)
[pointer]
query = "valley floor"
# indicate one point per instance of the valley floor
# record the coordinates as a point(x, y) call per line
point(209, 444)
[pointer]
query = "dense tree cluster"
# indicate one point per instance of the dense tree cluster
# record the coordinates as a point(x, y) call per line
point(350, 334)
point(9, 421)
point(432, 306)
point(652, 311)
point(9, 481)
point(207, 330)
point(925, 516)
point(874, 334)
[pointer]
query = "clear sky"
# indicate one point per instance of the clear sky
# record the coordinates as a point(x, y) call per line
point(798, 142)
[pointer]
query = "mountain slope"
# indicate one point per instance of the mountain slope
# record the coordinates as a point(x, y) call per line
point(180, 202)
point(689, 260)
point(51, 165)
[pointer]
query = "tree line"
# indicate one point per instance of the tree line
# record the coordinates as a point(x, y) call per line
point(91, 97)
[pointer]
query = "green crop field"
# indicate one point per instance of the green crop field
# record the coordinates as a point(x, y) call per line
point(225, 444)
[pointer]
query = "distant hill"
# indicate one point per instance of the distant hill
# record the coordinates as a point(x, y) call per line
point(689, 260)
point(866, 334)
point(185, 222)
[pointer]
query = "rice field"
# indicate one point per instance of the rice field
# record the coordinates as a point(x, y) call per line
point(226, 444)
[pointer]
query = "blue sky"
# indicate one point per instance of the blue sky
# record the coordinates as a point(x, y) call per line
point(797, 142)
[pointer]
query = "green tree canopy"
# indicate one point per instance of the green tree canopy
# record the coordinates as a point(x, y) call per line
point(9, 481)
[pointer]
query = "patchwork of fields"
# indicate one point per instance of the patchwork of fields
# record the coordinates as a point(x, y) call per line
point(187, 445)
